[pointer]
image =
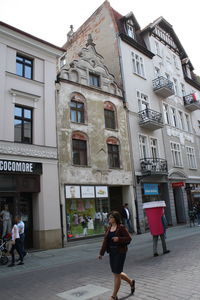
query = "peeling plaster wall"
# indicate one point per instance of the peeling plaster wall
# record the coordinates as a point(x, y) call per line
point(97, 171)
point(102, 28)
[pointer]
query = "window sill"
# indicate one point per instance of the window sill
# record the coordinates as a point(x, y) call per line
point(180, 167)
point(112, 129)
point(73, 122)
point(140, 76)
point(81, 166)
point(23, 78)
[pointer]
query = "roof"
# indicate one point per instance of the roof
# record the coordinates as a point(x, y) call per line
point(31, 36)
point(168, 28)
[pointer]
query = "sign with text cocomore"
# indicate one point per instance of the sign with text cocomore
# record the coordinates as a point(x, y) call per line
point(20, 167)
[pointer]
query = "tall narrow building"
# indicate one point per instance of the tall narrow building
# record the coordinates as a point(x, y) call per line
point(94, 155)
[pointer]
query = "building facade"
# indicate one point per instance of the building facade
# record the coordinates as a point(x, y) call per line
point(28, 143)
point(162, 98)
point(94, 155)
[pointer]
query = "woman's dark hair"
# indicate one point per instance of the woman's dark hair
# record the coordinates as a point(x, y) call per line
point(116, 215)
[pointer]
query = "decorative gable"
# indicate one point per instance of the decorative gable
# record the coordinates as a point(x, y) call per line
point(90, 64)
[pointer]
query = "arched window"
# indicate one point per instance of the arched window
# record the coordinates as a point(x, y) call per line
point(77, 108)
point(109, 115)
point(79, 149)
point(113, 152)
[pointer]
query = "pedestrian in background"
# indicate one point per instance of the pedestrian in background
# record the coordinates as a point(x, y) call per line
point(162, 236)
point(21, 228)
point(115, 243)
point(16, 244)
point(126, 215)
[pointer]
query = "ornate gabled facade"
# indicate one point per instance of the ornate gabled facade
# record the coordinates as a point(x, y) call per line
point(162, 97)
point(94, 154)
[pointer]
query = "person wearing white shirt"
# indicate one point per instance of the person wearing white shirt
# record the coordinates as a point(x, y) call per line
point(16, 244)
point(127, 217)
point(21, 227)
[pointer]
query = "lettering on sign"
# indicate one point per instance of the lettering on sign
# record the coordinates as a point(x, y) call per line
point(20, 167)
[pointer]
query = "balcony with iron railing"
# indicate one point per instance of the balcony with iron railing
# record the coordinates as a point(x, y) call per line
point(153, 166)
point(150, 119)
point(163, 87)
point(191, 102)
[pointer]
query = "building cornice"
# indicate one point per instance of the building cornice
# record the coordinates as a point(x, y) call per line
point(89, 88)
point(27, 150)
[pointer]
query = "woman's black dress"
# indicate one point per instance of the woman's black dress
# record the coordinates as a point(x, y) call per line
point(116, 259)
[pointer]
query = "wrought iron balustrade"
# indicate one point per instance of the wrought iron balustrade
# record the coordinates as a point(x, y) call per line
point(154, 166)
point(149, 114)
point(189, 99)
point(163, 83)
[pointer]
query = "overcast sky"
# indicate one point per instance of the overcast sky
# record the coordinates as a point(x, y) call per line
point(50, 20)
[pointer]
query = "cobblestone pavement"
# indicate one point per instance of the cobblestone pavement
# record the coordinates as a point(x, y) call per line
point(45, 274)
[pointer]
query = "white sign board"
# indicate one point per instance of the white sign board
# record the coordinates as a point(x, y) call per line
point(101, 191)
point(87, 191)
point(72, 191)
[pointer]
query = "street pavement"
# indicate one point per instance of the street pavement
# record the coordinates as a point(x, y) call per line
point(74, 272)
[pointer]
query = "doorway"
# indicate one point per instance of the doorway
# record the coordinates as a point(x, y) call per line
point(116, 198)
point(179, 205)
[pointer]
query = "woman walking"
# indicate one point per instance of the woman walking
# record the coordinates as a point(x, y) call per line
point(16, 244)
point(115, 243)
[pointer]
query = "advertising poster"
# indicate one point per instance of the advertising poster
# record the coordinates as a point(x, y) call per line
point(72, 191)
point(101, 191)
point(87, 191)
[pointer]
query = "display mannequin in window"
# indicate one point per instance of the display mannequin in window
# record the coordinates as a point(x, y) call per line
point(6, 218)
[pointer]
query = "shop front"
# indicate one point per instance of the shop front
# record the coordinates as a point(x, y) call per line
point(19, 182)
point(193, 195)
point(87, 209)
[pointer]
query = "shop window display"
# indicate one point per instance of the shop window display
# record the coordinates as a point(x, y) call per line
point(85, 216)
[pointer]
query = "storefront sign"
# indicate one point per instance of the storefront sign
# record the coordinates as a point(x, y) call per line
point(72, 191)
point(101, 191)
point(150, 189)
point(197, 195)
point(25, 167)
point(177, 184)
point(87, 191)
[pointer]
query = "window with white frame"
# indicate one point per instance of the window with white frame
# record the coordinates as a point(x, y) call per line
point(143, 146)
point(191, 158)
point(183, 89)
point(130, 28)
point(175, 61)
point(173, 117)
point(157, 48)
point(157, 72)
point(143, 101)
point(176, 154)
point(166, 113)
point(154, 148)
point(167, 76)
point(175, 86)
point(187, 123)
point(138, 64)
point(180, 120)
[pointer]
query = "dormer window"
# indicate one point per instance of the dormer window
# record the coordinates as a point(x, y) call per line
point(94, 79)
point(130, 29)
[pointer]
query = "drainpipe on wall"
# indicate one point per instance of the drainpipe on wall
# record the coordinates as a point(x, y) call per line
point(129, 137)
